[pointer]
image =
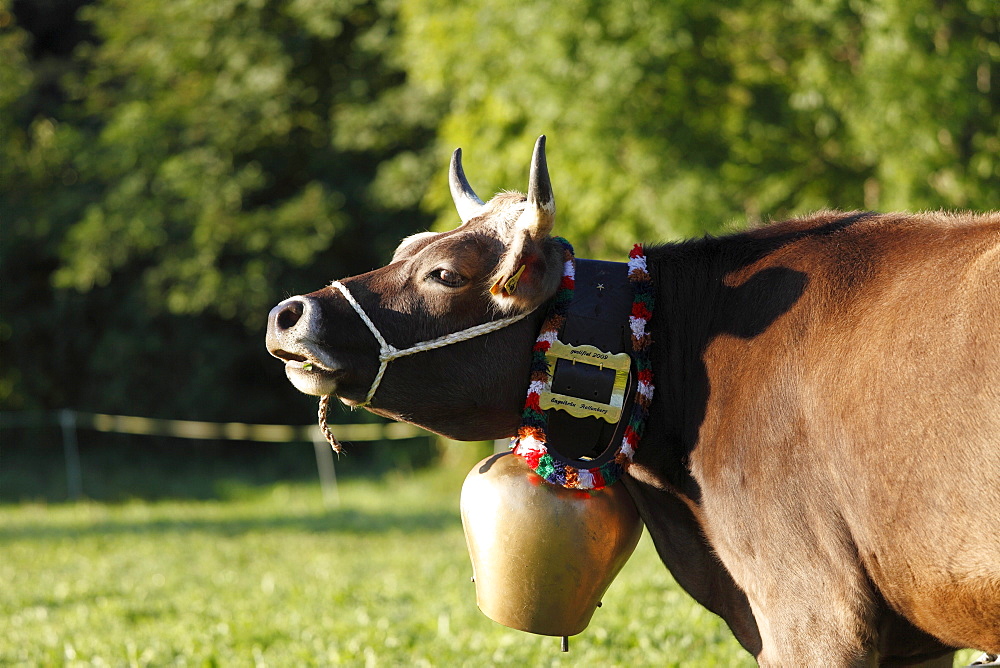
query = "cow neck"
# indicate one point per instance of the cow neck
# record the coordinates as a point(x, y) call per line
point(603, 305)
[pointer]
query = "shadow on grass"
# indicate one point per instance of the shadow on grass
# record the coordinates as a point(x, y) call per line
point(338, 521)
point(117, 468)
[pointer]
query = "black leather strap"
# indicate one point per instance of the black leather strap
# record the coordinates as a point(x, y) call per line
point(597, 316)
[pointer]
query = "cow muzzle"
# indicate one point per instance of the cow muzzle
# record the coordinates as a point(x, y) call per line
point(293, 329)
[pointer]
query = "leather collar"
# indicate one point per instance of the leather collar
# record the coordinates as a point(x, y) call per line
point(598, 316)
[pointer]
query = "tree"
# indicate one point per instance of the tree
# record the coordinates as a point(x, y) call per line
point(669, 119)
point(173, 168)
point(185, 176)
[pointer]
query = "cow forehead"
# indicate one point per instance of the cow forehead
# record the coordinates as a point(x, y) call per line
point(467, 249)
point(497, 220)
point(501, 212)
point(412, 244)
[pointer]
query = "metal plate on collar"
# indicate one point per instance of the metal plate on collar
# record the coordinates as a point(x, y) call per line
point(576, 406)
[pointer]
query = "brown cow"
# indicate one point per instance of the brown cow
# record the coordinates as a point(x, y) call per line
point(820, 462)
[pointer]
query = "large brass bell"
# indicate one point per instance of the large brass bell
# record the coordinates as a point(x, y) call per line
point(543, 555)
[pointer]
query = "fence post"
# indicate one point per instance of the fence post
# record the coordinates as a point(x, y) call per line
point(71, 452)
point(327, 472)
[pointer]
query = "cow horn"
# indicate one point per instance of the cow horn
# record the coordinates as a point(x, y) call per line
point(466, 201)
point(539, 215)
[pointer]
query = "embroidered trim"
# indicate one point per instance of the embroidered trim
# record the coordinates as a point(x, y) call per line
point(530, 440)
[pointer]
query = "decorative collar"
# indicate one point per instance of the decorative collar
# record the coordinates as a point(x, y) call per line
point(531, 441)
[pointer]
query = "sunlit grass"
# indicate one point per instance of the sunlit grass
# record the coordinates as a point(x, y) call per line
point(271, 577)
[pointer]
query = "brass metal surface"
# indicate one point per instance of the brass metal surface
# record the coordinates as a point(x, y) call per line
point(543, 555)
point(577, 406)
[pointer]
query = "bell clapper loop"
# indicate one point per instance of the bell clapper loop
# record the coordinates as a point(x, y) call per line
point(565, 644)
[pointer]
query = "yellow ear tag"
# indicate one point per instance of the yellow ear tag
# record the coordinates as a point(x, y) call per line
point(511, 283)
point(507, 287)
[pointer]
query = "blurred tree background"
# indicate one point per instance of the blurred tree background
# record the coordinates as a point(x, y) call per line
point(170, 169)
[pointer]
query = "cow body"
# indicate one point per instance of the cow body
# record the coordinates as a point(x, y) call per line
point(828, 416)
point(821, 455)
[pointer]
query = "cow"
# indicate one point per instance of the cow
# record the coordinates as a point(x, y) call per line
point(820, 461)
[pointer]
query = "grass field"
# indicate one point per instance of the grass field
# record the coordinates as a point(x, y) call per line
point(267, 576)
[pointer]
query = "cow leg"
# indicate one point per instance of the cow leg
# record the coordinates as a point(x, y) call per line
point(811, 599)
point(814, 606)
point(830, 623)
point(800, 637)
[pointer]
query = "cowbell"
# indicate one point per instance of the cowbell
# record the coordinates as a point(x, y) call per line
point(543, 555)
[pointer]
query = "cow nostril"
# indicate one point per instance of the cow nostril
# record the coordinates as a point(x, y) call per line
point(289, 315)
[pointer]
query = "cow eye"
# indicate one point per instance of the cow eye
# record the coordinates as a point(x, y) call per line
point(447, 277)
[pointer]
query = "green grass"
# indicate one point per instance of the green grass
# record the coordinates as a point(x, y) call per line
point(268, 577)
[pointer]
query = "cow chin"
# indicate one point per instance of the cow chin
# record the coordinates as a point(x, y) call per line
point(313, 381)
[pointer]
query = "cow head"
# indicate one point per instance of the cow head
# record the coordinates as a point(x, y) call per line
point(499, 263)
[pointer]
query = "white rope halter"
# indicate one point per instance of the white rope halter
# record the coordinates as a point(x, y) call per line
point(388, 352)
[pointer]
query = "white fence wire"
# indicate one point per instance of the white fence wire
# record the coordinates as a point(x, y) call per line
point(69, 421)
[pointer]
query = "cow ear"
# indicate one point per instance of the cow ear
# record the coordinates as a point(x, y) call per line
point(528, 273)
point(530, 270)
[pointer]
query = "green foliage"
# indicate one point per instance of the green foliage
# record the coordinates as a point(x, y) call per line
point(168, 182)
point(214, 146)
point(172, 168)
point(669, 119)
